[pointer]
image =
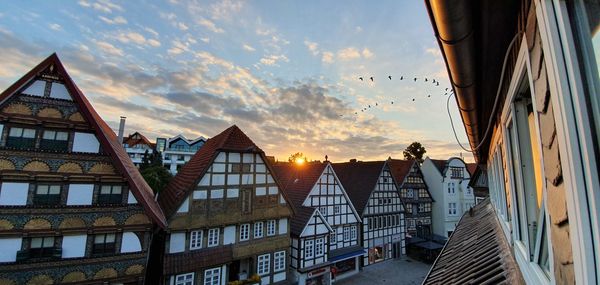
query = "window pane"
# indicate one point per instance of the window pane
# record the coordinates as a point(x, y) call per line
point(42, 189)
point(28, 133)
point(49, 135)
point(62, 136)
point(15, 132)
point(105, 189)
point(54, 189)
point(36, 242)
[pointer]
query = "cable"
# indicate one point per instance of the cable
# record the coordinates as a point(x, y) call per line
point(487, 130)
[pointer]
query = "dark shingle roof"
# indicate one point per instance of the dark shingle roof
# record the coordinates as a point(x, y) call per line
point(471, 167)
point(131, 140)
point(359, 180)
point(231, 139)
point(400, 168)
point(440, 165)
point(297, 181)
point(107, 138)
point(476, 253)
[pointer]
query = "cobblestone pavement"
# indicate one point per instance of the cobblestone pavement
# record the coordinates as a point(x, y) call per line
point(401, 271)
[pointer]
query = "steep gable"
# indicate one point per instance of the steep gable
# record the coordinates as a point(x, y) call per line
point(359, 180)
point(104, 134)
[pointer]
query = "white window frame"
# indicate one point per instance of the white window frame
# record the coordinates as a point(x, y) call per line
point(244, 232)
point(271, 228)
point(212, 276)
point(196, 239)
point(187, 279)
point(263, 264)
point(279, 261)
point(574, 138)
point(333, 236)
point(353, 233)
point(213, 237)
point(319, 247)
point(258, 230)
point(309, 249)
point(346, 233)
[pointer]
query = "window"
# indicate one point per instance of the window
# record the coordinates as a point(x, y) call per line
point(246, 200)
point(184, 279)
point(452, 209)
point(279, 261)
point(47, 195)
point(423, 193)
point(244, 232)
point(271, 228)
point(196, 239)
point(213, 237)
point(53, 140)
point(110, 194)
point(240, 168)
point(319, 247)
point(353, 232)
point(409, 208)
point(456, 172)
point(258, 230)
point(346, 233)
point(451, 189)
point(309, 249)
point(41, 247)
point(212, 276)
point(410, 193)
point(21, 138)
point(263, 265)
point(333, 236)
point(336, 209)
point(427, 207)
point(104, 244)
point(323, 210)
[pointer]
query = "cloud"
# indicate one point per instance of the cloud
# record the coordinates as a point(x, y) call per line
point(153, 42)
point(205, 40)
point(151, 31)
point(433, 51)
point(327, 57)
point(101, 5)
point(348, 54)
point(248, 48)
point(210, 25)
point(366, 53)
point(272, 60)
point(225, 9)
point(55, 27)
point(136, 38)
point(312, 47)
point(358, 29)
point(182, 26)
point(109, 48)
point(114, 21)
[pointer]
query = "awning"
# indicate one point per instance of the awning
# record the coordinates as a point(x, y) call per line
point(347, 255)
point(429, 245)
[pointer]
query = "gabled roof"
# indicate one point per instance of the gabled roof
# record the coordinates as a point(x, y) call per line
point(400, 169)
point(302, 216)
point(231, 139)
point(107, 138)
point(359, 179)
point(186, 140)
point(298, 180)
point(440, 165)
point(131, 140)
point(476, 253)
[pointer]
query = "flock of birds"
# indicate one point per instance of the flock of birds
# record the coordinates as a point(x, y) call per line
point(432, 81)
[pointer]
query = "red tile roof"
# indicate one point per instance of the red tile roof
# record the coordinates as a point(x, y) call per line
point(297, 181)
point(359, 180)
point(400, 168)
point(107, 138)
point(440, 165)
point(132, 141)
point(231, 139)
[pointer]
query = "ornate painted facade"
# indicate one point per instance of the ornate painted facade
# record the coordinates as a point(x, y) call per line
point(228, 219)
point(73, 208)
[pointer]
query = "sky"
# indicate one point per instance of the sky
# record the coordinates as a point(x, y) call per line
point(286, 72)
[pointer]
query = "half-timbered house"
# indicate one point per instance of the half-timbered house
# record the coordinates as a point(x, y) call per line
point(73, 207)
point(415, 196)
point(228, 219)
point(315, 185)
point(374, 194)
point(137, 145)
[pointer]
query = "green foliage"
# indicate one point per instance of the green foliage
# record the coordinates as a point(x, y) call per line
point(414, 151)
point(153, 171)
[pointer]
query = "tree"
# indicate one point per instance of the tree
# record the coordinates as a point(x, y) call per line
point(414, 151)
point(153, 171)
point(297, 157)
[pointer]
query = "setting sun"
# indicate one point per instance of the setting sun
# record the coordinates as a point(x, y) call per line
point(300, 160)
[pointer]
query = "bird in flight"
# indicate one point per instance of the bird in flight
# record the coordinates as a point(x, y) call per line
point(361, 79)
point(390, 77)
point(415, 79)
point(413, 99)
point(371, 78)
point(401, 77)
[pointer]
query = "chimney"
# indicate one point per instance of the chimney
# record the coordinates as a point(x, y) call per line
point(353, 160)
point(121, 129)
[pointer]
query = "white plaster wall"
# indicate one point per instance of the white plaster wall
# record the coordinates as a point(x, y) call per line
point(85, 142)
point(434, 181)
point(59, 91)
point(14, 193)
point(185, 206)
point(279, 277)
point(177, 242)
point(130, 243)
point(229, 235)
point(80, 194)
point(9, 248)
point(73, 246)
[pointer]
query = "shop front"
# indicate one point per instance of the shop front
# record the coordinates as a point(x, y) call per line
point(345, 262)
point(318, 276)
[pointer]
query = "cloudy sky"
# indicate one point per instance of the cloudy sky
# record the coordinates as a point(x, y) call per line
point(286, 72)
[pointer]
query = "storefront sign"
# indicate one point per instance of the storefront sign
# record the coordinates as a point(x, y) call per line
point(317, 272)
